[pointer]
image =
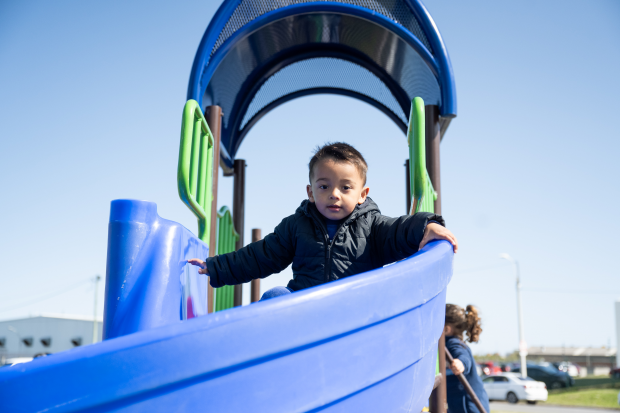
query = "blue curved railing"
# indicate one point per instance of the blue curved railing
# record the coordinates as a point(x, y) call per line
point(364, 343)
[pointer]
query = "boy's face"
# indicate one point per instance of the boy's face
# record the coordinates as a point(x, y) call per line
point(336, 188)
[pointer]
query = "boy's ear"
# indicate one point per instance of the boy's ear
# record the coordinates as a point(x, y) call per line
point(309, 191)
point(363, 195)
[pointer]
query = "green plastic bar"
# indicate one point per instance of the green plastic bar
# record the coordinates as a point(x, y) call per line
point(202, 174)
point(227, 238)
point(422, 190)
point(196, 156)
point(423, 193)
point(208, 196)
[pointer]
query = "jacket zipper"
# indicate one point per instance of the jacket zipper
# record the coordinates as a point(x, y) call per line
point(329, 245)
point(328, 252)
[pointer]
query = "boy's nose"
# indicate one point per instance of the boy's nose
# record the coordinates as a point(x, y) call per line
point(335, 195)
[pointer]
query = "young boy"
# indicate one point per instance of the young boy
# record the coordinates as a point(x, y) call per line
point(337, 232)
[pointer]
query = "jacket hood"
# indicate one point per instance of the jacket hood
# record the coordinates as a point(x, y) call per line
point(367, 207)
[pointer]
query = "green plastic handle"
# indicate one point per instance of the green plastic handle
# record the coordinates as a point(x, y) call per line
point(195, 170)
point(422, 192)
point(227, 238)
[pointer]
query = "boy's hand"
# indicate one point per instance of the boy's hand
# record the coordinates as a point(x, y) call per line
point(436, 232)
point(201, 264)
point(457, 367)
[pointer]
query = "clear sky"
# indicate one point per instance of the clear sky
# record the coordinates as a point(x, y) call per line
point(91, 95)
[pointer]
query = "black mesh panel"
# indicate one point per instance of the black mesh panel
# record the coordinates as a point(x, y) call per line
point(248, 10)
point(344, 52)
point(318, 73)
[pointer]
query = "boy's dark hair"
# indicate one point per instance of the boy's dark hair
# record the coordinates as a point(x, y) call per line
point(339, 152)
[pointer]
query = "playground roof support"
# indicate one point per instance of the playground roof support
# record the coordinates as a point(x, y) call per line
point(239, 216)
point(432, 135)
point(257, 55)
point(214, 120)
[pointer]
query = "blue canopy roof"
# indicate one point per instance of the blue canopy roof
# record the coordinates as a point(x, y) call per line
point(256, 55)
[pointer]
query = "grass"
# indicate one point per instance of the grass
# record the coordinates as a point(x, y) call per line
point(601, 381)
point(591, 398)
point(587, 392)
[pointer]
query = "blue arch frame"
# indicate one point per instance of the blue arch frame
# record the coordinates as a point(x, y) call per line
point(205, 64)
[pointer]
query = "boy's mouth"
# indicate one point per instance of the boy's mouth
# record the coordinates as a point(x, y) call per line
point(334, 208)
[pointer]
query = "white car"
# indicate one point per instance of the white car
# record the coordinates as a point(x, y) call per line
point(16, 360)
point(512, 388)
point(567, 367)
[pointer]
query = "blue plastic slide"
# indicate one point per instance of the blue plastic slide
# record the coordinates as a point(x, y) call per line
point(367, 343)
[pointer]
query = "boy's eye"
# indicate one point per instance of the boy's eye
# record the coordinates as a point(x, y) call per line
point(346, 187)
point(322, 186)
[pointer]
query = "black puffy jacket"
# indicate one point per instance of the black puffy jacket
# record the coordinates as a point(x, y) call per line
point(364, 241)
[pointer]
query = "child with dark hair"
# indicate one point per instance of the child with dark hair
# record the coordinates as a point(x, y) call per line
point(459, 321)
point(337, 232)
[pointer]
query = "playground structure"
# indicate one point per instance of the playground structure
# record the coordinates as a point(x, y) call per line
point(364, 343)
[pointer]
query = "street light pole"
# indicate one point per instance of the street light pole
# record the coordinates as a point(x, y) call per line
point(19, 339)
point(522, 344)
point(95, 329)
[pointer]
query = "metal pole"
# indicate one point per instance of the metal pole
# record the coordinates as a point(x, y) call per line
point(433, 138)
point(522, 344)
point(617, 305)
point(214, 120)
point(95, 329)
point(239, 215)
point(255, 291)
point(408, 183)
point(439, 398)
point(19, 339)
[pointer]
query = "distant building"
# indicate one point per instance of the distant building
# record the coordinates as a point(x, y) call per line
point(27, 337)
point(597, 361)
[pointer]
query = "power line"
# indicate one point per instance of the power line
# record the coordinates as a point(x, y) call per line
point(543, 290)
point(480, 269)
point(45, 297)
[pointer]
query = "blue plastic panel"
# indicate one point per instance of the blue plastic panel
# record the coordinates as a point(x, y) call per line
point(148, 282)
point(365, 343)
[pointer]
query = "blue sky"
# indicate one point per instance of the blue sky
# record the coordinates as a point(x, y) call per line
point(91, 96)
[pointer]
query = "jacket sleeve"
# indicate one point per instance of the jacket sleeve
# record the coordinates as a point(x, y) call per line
point(256, 260)
point(459, 351)
point(398, 238)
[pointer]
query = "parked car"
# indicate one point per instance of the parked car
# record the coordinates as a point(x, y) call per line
point(16, 360)
point(615, 373)
point(489, 368)
point(553, 378)
point(507, 367)
point(512, 388)
point(567, 367)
